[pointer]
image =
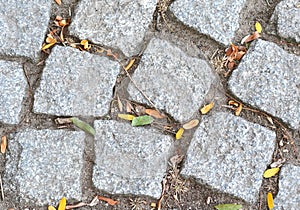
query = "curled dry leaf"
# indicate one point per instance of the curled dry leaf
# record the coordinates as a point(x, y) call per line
point(126, 116)
point(108, 200)
point(207, 108)
point(47, 46)
point(234, 103)
point(129, 65)
point(191, 124)
point(250, 38)
point(270, 201)
point(3, 144)
point(271, 172)
point(238, 110)
point(154, 113)
point(179, 133)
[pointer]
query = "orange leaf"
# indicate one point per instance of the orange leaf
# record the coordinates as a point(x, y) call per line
point(191, 124)
point(46, 46)
point(154, 113)
point(252, 37)
point(238, 110)
point(58, 2)
point(108, 200)
point(270, 201)
point(129, 65)
point(3, 144)
point(179, 133)
point(207, 108)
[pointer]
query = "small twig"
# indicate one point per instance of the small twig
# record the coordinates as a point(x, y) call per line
point(213, 55)
point(2, 191)
point(268, 3)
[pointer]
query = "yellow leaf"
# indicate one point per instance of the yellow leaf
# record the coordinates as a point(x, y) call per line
point(48, 46)
point(3, 144)
point(191, 124)
point(238, 110)
point(258, 27)
point(126, 116)
point(62, 204)
point(207, 108)
point(270, 201)
point(271, 172)
point(129, 65)
point(51, 208)
point(179, 133)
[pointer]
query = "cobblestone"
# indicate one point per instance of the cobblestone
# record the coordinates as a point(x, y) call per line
point(12, 91)
point(230, 154)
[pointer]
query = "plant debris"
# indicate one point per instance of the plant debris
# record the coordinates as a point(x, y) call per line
point(207, 108)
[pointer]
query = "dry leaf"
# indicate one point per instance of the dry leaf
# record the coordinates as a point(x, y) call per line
point(231, 65)
point(252, 37)
point(270, 201)
point(76, 205)
point(191, 124)
point(179, 133)
point(62, 204)
point(234, 103)
point(271, 172)
point(129, 65)
point(126, 116)
point(238, 110)
point(120, 105)
point(129, 107)
point(46, 46)
point(258, 27)
point(3, 144)
point(154, 113)
point(51, 208)
point(207, 108)
point(50, 39)
point(108, 200)
point(85, 44)
point(58, 2)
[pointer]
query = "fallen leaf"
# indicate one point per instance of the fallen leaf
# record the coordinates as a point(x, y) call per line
point(3, 144)
point(154, 113)
point(85, 44)
point(81, 204)
point(270, 201)
point(108, 200)
point(51, 208)
point(271, 172)
point(50, 40)
point(83, 125)
point(94, 202)
point(58, 2)
point(62, 204)
point(179, 133)
point(126, 116)
point(228, 207)
point(129, 65)
point(234, 103)
point(231, 65)
point(207, 108)
point(239, 109)
point(191, 124)
point(258, 27)
point(250, 38)
point(142, 120)
point(46, 46)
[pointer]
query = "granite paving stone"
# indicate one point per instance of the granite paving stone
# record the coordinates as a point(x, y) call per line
point(130, 160)
point(12, 91)
point(287, 15)
point(45, 165)
point(288, 197)
point(76, 83)
point(269, 78)
point(230, 154)
point(210, 17)
point(172, 79)
point(23, 26)
point(120, 24)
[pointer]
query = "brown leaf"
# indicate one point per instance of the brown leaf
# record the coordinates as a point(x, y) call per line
point(81, 204)
point(3, 144)
point(58, 2)
point(238, 110)
point(239, 55)
point(191, 124)
point(252, 37)
point(108, 200)
point(231, 65)
point(154, 113)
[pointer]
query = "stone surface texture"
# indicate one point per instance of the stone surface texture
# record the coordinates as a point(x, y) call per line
point(269, 78)
point(23, 27)
point(210, 17)
point(130, 160)
point(287, 14)
point(48, 167)
point(120, 24)
point(173, 80)
point(230, 154)
point(288, 196)
point(12, 91)
point(77, 83)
